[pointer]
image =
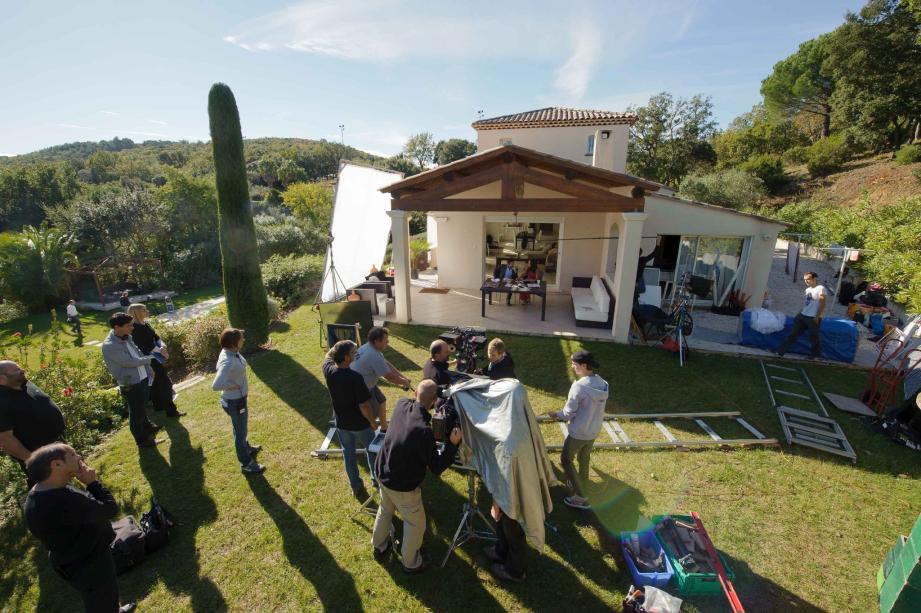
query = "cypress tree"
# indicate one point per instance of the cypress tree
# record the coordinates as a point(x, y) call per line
point(247, 307)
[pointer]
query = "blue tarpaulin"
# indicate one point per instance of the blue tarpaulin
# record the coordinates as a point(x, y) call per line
point(838, 338)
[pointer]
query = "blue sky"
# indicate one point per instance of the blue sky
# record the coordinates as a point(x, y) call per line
point(384, 68)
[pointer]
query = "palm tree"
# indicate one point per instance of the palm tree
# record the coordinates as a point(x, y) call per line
point(51, 247)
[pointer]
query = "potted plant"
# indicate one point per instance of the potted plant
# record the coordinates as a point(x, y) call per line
point(418, 255)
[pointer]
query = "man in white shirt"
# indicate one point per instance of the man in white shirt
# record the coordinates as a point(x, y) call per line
point(810, 317)
point(73, 318)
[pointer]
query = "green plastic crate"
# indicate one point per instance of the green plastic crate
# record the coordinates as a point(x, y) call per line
point(694, 584)
point(892, 557)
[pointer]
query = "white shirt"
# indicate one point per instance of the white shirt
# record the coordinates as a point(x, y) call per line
point(134, 354)
point(811, 301)
point(72, 310)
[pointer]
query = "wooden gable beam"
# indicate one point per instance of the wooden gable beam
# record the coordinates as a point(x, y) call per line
point(563, 185)
point(618, 204)
point(441, 188)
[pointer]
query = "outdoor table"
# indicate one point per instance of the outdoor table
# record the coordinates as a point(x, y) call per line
point(500, 287)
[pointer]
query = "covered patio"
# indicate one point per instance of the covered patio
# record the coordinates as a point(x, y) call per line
point(512, 180)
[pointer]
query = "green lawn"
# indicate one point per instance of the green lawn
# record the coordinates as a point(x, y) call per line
point(94, 324)
point(803, 530)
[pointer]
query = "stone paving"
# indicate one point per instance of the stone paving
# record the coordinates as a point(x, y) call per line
point(190, 312)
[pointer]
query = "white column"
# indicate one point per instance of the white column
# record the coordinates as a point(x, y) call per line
point(630, 230)
point(399, 233)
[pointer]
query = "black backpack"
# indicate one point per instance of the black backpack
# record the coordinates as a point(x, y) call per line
point(128, 547)
point(133, 542)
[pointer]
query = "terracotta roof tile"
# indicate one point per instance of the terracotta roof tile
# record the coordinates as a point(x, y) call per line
point(555, 117)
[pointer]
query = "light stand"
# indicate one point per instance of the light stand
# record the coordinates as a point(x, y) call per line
point(466, 530)
point(333, 275)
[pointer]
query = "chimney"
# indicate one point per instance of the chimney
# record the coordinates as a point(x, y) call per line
point(605, 153)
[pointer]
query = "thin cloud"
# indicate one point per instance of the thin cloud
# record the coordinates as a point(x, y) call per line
point(110, 113)
point(73, 126)
point(388, 31)
point(573, 77)
point(143, 133)
point(157, 122)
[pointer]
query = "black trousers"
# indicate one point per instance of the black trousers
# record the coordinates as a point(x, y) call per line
point(136, 399)
point(96, 582)
point(511, 545)
point(574, 448)
point(161, 392)
point(801, 324)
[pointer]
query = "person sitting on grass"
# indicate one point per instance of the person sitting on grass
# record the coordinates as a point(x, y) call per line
point(584, 410)
point(74, 524)
point(500, 365)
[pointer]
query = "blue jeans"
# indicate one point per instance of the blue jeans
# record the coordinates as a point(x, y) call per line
point(239, 417)
point(350, 441)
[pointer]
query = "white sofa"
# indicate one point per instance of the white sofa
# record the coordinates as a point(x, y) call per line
point(592, 302)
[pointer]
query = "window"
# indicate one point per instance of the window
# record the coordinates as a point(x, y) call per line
point(505, 141)
point(590, 145)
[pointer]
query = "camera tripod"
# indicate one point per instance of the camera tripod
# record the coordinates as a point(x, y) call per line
point(466, 530)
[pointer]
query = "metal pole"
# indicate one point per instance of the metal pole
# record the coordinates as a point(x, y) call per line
point(844, 258)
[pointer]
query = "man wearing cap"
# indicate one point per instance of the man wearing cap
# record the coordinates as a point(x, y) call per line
point(584, 410)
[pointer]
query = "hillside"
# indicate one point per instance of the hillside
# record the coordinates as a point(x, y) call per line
point(878, 177)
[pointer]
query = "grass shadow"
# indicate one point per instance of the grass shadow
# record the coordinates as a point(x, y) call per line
point(335, 586)
point(295, 386)
point(179, 486)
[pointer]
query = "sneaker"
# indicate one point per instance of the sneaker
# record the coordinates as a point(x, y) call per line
point(128, 608)
point(426, 563)
point(491, 554)
point(253, 449)
point(577, 502)
point(254, 468)
point(500, 572)
point(383, 556)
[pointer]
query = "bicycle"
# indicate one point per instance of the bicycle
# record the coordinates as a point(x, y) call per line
point(681, 324)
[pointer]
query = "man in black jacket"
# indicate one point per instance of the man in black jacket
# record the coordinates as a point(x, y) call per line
point(29, 418)
point(408, 450)
point(436, 367)
point(74, 525)
point(500, 365)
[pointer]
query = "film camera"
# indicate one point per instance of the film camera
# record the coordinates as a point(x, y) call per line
point(444, 419)
point(465, 343)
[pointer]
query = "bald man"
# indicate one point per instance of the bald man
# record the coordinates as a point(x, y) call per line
point(29, 418)
point(408, 450)
point(436, 367)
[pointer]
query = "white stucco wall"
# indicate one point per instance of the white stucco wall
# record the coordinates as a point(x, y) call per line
point(569, 143)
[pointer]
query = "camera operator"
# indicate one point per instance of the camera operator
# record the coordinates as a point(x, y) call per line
point(436, 367)
point(500, 365)
point(408, 450)
point(354, 415)
point(508, 553)
point(370, 363)
point(74, 525)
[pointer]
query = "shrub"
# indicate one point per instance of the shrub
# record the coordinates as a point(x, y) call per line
point(274, 309)
point(201, 346)
point(826, 156)
point(909, 154)
point(10, 310)
point(796, 155)
point(732, 188)
point(175, 337)
point(285, 238)
point(292, 279)
point(769, 168)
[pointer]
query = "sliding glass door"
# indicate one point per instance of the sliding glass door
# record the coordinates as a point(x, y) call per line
point(721, 259)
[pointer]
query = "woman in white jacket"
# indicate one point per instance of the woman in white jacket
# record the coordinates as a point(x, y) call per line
point(584, 410)
point(232, 382)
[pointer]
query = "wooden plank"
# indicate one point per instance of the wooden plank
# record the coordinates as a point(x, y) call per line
point(618, 416)
point(749, 427)
point(668, 435)
point(610, 431)
point(671, 445)
point(561, 184)
point(708, 430)
point(621, 204)
point(620, 431)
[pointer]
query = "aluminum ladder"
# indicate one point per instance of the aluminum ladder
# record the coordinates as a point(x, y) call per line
point(810, 425)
